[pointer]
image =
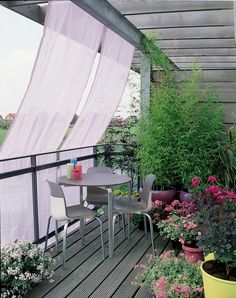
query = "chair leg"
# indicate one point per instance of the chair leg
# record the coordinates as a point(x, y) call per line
point(145, 226)
point(119, 221)
point(56, 235)
point(113, 228)
point(46, 239)
point(123, 219)
point(151, 231)
point(64, 244)
point(102, 241)
point(82, 226)
point(128, 226)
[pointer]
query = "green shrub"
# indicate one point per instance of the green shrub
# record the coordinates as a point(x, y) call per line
point(178, 137)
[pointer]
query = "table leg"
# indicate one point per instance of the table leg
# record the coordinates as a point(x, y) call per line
point(129, 190)
point(82, 225)
point(110, 230)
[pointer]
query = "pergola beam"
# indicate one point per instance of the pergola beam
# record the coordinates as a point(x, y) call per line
point(28, 9)
point(24, 3)
point(112, 18)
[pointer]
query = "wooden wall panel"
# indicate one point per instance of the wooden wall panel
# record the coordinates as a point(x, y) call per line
point(223, 81)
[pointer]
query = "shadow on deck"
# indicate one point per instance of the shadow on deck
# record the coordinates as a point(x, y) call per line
point(87, 275)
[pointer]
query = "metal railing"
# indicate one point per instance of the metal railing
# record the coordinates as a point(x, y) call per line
point(34, 168)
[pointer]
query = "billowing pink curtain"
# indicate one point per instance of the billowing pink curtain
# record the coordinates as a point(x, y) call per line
point(62, 68)
point(106, 92)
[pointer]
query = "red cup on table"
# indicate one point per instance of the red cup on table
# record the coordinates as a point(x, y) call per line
point(77, 172)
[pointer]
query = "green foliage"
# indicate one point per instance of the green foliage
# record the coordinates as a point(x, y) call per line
point(178, 137)
point(124, 134)
point(228, 156)
point(156, 56)
point(169, 276)
point(2, 135)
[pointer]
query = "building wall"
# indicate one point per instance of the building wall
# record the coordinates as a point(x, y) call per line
point(223, 81)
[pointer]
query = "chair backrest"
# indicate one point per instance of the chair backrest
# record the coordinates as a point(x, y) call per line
point(145, 196)
point(104, 170)
point(57, 201)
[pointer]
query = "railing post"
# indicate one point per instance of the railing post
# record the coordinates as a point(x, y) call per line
point(35, 199)
point(95, 159)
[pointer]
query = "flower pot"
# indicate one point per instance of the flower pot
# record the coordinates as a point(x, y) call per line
point(209, 257)
point(192, 254)
point(185, 196)
point(166, 196)
point(216, 287)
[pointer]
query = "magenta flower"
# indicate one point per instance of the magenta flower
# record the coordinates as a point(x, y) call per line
point(191, 225)
point(169, 208)
point(211, 179)
point(195, 182)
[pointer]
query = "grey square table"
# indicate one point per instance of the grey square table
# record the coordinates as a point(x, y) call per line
point(103, 180)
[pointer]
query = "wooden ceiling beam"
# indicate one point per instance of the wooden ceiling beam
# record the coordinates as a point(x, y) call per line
point(148, 6)
point(183, 19)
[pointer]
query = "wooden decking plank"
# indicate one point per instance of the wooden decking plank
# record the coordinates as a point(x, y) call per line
point(75, 236)
point(79, 253)
point(126, 289)
point(97, 276)
point(81, 273)
point(115, 278)
point(144, 291)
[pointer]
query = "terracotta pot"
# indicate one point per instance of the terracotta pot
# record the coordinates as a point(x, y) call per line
point(166, 196)
point(185, 196)
point(192, 254)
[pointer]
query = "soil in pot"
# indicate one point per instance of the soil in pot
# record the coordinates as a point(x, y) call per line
point(217, 270)
point(176, 244)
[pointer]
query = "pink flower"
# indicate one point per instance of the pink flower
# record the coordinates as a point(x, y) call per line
point(191, 225)
point(161, 283)
point(199, 289)
point(195, 182)
point(162, 294)
point(181, 240)
point(169, 208)
point(211, 179)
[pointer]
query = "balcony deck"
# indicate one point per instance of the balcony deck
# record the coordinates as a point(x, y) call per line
point(87, 275)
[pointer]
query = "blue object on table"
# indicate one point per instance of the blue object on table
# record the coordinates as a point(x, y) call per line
point(73, 160)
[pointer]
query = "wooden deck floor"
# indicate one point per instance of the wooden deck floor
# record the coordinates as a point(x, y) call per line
point(87, 275)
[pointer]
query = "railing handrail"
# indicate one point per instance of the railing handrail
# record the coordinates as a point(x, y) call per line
point(56, 151)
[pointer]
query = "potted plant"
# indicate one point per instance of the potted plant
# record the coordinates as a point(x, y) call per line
point(170, 277)
point(179, 134)
point(182, 224)
point(228, 157)
point(23, 265)
point(216, 207)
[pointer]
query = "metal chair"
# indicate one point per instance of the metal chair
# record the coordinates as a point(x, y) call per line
point(96, 195)
point(60, 212)
point(143, 206)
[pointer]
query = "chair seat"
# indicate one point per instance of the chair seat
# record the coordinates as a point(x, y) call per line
point(97, 196)
point(78, 211)
point(122, 204)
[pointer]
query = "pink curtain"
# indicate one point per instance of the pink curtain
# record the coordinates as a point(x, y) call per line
point(106, 92)
point(62, 68)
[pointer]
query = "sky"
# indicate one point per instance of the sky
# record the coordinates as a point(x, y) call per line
point(20, 38)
